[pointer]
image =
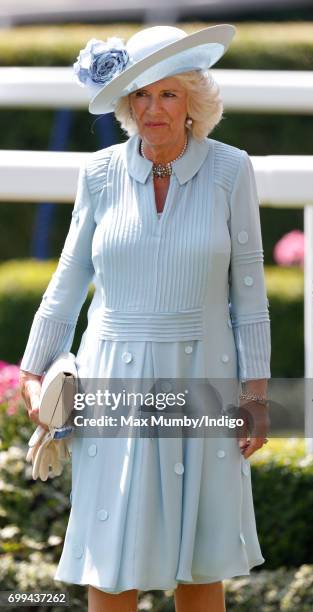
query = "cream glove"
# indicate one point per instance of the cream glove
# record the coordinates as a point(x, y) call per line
point(49, 448)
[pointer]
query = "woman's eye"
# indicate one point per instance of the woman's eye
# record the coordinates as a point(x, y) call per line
point(169, 94)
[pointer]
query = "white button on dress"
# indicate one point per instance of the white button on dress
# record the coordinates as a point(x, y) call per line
point(221, 453)
point(127, 357)
point(75, 216)
point(166, 386)
point(179, 468)
point(78, 551)
point(188, 348)
point(245, 466)
point(225, 358)
point(242, 237)
point(102, 515)
point(248, 280)
point(92, 450)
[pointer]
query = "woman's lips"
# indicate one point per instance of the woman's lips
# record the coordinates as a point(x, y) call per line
point(150, 124)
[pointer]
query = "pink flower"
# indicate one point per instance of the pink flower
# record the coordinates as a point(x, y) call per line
point(9, 386)
point(11, 409)
point(289, 250)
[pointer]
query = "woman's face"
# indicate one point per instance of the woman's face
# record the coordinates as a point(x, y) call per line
point(160, 111)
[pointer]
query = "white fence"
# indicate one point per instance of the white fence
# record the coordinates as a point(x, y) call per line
point(281, 180)
point(34, 176)
point(274, 91)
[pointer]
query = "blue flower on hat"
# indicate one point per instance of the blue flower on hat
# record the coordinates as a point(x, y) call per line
point(99, 62)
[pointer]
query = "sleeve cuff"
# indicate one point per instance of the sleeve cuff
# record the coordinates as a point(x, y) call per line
point(253, 343)
point(47, 339)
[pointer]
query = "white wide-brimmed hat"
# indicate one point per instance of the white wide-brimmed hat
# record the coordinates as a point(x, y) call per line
point(110, 69)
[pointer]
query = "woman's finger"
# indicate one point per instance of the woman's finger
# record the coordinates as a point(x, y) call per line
point(254, 444)
point(30, 390)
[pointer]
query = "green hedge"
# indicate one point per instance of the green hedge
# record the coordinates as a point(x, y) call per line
point(22, 284)
point(272, 46)
point(256, 46)
point(285, 289)
point(283, 497)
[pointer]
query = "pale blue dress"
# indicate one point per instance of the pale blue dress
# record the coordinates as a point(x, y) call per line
point(179, 295)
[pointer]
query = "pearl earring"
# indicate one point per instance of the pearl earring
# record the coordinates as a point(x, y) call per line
point(188, 122)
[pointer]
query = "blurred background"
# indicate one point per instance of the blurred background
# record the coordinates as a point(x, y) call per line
point(75, 11)
point(272, 35)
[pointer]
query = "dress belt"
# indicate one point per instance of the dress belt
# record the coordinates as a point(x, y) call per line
point(156, 326)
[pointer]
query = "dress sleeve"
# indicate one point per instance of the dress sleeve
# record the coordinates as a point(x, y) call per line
point(54, 323)
point(248, 299)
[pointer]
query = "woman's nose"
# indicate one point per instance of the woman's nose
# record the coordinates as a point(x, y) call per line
point(154, 104)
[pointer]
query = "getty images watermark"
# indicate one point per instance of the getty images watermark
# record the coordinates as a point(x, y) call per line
point(182, 407)
point(160, 401)
point(164, 408)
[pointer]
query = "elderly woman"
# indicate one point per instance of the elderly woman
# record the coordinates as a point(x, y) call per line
point(167, 224)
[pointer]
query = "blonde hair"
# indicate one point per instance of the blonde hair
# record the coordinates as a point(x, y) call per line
point(204, 104)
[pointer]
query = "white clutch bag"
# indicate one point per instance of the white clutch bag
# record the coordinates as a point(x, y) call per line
point(58, 389)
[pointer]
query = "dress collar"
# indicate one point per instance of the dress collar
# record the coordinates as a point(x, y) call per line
point(184, 168)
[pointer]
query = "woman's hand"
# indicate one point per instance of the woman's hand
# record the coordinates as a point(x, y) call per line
point(30, 387)
point(256, 419)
